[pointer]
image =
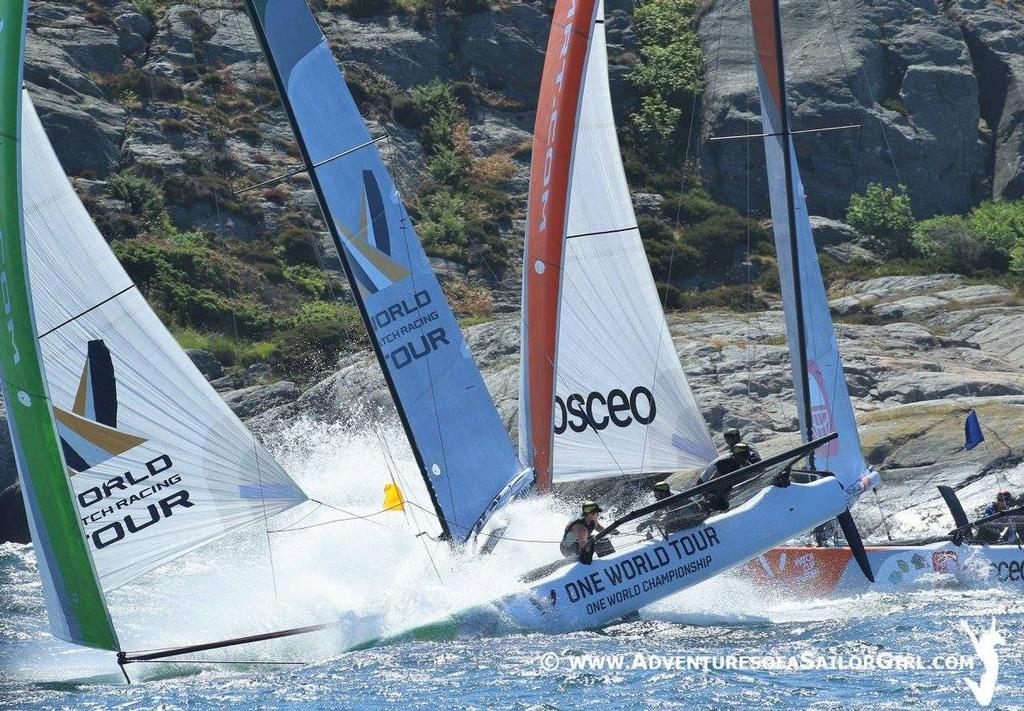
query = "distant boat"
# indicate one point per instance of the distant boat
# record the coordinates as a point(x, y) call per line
point(984, 552)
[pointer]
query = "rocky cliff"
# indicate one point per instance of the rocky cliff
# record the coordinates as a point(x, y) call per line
point(937, 89)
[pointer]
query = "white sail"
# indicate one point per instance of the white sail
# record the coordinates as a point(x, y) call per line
point(158, 463)
point(623, 405)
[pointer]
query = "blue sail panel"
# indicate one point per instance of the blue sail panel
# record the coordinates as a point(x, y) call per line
point(825, 407)
point(458, 438)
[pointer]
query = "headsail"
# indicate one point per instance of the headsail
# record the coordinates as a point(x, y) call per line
point(823, 401)
point(158, 464)
point(74, 600)
point(456, 434)
point(621, 401)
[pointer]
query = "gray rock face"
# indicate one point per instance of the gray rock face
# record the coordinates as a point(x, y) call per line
point(505, 50)
point(831, 232)
point(907, 72)
point(994, 33)
point(206, 362)
point(260, 398)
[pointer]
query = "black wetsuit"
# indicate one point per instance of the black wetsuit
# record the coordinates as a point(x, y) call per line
point(570, 545)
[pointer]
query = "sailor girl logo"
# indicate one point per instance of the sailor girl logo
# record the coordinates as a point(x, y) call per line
point(822, 422)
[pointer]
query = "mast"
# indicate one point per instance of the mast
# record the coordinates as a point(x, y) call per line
point(554, 137)
point(459, 442)
point(74, 599)
point(787, 161)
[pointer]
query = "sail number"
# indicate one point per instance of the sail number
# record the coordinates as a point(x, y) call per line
point(597, 410)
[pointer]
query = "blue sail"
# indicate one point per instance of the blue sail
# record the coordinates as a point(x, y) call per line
point(823, 401)
point(460, 443)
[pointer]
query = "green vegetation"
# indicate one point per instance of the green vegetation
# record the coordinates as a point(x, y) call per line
point(668, 76)
point(884, 217)
point(463, 207)
point(985, 241)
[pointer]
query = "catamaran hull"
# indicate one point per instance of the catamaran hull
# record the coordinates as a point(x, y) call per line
point(589, 596)
point(832, 572)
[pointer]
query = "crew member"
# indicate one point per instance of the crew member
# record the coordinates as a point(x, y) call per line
point(732, 438)
point(825, 534)
point(577, 535)
point(662, 491)
point(1002, 502)
point(738, 457)
point(1001, 530)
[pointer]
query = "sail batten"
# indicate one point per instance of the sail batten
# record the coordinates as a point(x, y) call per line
point(622, 405)
point(460, 444)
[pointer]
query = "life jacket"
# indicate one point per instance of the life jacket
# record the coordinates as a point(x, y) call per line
point(569, 535)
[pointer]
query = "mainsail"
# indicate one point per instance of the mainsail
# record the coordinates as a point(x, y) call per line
point(823, 401)
point(460, 444)
point(128, 458)
point(75, 603)
point(603, 392)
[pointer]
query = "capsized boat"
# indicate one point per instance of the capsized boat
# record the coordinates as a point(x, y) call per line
point(127, 457)
point(966, 556)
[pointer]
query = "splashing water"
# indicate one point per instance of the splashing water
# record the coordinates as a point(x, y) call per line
point(378, 577)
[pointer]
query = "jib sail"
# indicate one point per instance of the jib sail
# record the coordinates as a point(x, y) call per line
point(460, 444)
point(603, 392)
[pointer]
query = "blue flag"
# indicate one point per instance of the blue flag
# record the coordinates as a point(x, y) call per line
point(972, 431)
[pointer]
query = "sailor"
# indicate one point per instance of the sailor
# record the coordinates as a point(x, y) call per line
point(1001, 530)
point(738, 457)
point(1003, 500)
point(668, 521)
point(825, 535)
point(662, 490)
point(732, 438)
point(576, 538)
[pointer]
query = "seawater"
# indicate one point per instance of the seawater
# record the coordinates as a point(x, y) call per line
point(348, 562)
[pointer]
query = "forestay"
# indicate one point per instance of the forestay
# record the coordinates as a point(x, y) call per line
point(158, 464)
point(823, 402)
point(459, 441)
point(622, 404)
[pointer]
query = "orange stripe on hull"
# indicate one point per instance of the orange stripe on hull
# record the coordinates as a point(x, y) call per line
point(813, 570)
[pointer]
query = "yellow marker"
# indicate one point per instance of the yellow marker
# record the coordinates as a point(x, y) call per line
point(393, 498)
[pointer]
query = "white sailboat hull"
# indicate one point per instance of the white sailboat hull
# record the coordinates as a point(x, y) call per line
point(589, 596)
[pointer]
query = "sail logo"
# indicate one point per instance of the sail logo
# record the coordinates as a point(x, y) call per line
point(368, 250)
point(822, 422)
point(985, 647)
point(597, 411)
point(88, 432)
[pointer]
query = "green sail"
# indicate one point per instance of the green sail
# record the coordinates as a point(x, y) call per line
point(74, 600)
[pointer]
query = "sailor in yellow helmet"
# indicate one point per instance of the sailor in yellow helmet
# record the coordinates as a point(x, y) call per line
point(576, 537)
